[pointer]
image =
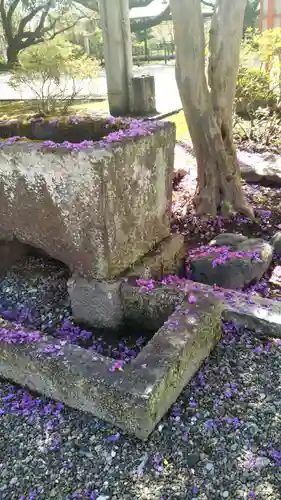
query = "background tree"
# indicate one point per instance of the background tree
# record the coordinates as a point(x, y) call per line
point(252, 12)
point(164, 32)
point(29, 22)
point(143, 37)
point(144, 23)
point(87, 33)
point(208, 105)
point(56, 72)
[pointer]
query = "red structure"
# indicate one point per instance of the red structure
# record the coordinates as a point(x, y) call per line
point(270, 14)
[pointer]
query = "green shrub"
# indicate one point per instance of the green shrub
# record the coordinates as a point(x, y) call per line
point(263, 129)
point(253, 90)
point(56, 72)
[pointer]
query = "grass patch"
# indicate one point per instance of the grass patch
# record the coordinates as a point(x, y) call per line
point(22, 110)
point(182, 129)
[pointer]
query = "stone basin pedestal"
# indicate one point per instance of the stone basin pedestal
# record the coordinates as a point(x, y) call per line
point(98, 205)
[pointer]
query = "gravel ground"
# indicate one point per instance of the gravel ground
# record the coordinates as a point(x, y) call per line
point(36, 290)
point(220, 440)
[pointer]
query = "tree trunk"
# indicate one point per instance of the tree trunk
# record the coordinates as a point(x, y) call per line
point(3, 49)
point(209, 111)
point(12, 55)
point(146, 45)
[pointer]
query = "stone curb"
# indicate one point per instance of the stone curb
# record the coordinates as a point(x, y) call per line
point(134, 399)
point(137, 398)
point(262, 316)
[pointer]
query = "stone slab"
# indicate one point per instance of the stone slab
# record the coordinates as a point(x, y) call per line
point(264, 168)
point(262, 316)
point(134, 399)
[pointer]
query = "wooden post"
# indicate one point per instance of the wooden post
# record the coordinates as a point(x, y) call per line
point(115, 23)
point(270, 14)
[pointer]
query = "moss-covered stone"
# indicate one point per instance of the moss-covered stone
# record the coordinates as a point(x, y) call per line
point(73, 129)
point(135, 399)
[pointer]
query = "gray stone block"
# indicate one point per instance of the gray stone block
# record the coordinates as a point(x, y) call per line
point(144, 97)
point(97, 209)
point(100, 303)
point(236, 271)
point(96, 303)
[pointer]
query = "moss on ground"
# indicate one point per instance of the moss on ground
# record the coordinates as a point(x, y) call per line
point(23, 110)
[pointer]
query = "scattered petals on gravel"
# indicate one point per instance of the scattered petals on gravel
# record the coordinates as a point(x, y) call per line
point(221, 439)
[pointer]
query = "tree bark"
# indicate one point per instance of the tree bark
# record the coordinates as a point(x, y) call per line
point(208, 111)
point(12, 55)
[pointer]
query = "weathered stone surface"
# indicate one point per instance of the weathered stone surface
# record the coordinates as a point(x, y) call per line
point(166, 258)
point(96, 303)
point(275, 277)
point(234, 271)
point(144, 98)
point(262, 316)
point(177, 350)
point(96, 210)
point(276, 243)
point(73, 129)
point(10, 252)
point(264, 168)
point(232, 239)
point(135, 399)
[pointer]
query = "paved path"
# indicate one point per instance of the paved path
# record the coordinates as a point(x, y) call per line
point(264, 168)
point(167, 97)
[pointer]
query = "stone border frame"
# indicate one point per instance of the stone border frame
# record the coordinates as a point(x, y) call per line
point(137, 398)
point(134, 399)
